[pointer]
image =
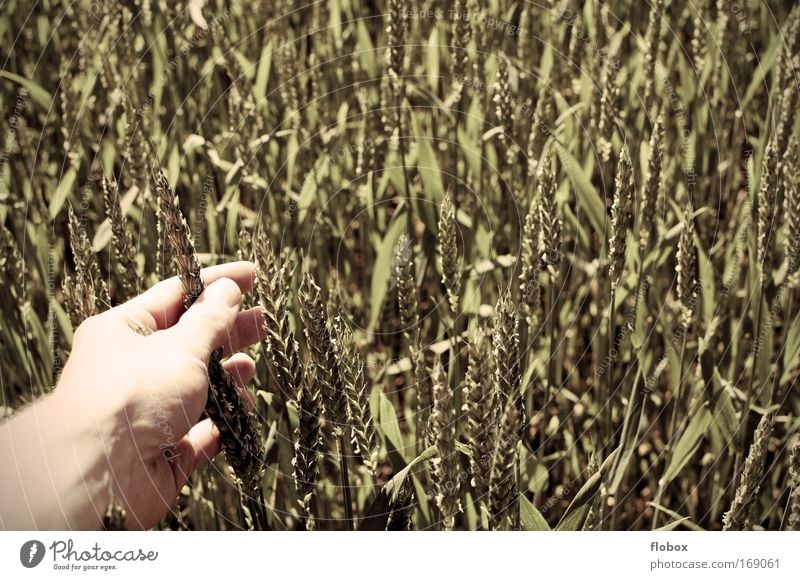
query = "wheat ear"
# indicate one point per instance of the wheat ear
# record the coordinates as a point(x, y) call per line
point(621, 219)
point(449, 262)
point(793, 502)
point(122, 241)
point(279, 341)
point(356, 389)
point(239, 430)
point(478, 397)
point(445, 470)
point(742, 509)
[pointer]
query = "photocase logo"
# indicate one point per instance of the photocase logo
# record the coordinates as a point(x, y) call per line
point(31, 553)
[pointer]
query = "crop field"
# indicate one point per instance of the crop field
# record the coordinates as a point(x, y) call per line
point(523, 265)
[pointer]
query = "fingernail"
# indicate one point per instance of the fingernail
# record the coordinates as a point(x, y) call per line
point(226, 290)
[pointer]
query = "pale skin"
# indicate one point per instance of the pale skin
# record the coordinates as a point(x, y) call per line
point(125, 416)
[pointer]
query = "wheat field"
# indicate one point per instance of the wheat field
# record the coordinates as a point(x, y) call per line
point(523, 265)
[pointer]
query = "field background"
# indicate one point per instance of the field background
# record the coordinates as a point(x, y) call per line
point(556, 245)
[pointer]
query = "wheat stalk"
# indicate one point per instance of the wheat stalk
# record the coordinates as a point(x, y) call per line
point(180, 241)
point(405, 278)
point(687, 267)
point(124, 250)
point(531, 258)
point(503, 490)
point(86, 291)
point(445, 465)
point(308, 440)
point(478, 403)
point(449, 261)
point(621, 218)
point(279, 341)
point(793, 502)
point(540, 128)
point(505, 343)
point(356, 388)
point(767, 200)
point(791, 208)
point(653, 187)
point(742, 510)
point(549, 217)
point(327, 374)
point(238, 427)
point(652, 38)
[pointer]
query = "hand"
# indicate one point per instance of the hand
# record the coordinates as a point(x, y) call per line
point(125, 415)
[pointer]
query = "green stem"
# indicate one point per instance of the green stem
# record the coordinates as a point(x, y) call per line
point(607, 396)
point(742, 435)
point(402, 144)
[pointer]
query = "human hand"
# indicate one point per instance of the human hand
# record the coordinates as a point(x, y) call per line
point(125, 415)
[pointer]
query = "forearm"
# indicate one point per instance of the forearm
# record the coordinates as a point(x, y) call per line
point(55, 459)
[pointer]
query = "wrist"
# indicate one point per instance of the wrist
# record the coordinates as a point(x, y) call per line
point(77, 441)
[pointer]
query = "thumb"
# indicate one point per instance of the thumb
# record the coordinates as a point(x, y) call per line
point(208, 322)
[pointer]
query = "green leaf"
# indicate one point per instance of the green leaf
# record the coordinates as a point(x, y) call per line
point(432, 59)
point(426, 162)
point(588, 198)
point(587, 493)
point(792, 351)
point(573, 522)
point(366, 50)
point(678, 519)
point(382, 269)
point(688, 443)
point(262, 74)
point(764, 66)
point(709, 291)
point(62, 192)
point(530, 518)
point(308, 191)
point(39, 96)
point(377, 514)
point(393, 486)
point(387, 423)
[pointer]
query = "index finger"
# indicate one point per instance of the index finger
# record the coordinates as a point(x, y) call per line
point(162, 305)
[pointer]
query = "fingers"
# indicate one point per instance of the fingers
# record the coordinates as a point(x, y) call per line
point(199, 445)
point(241, 367)
point(161, 306)
point(248, 330)
point(202, 442)
point(210, 322)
